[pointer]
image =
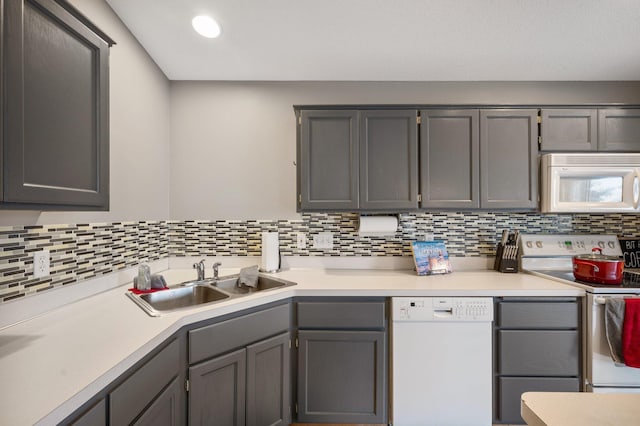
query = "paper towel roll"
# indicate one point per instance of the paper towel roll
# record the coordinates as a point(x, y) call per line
point(270, 252)
point(378, 226)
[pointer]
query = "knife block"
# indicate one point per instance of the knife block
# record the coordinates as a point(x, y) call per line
point(504, 263)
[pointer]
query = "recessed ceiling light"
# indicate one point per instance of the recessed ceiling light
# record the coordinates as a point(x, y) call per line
point(206, 26)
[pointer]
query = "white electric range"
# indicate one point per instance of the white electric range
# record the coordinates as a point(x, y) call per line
point(550, 256)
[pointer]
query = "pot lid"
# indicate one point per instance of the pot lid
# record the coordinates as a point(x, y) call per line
point(596, 254)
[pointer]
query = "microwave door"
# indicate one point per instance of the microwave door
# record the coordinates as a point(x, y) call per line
point(594, 189)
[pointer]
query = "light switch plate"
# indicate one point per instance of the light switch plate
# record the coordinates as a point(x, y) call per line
point(41, 266)
point(301, 241)
point(323, 240)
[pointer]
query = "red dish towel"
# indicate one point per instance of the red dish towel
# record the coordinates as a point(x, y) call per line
point(153, 290)
point(631, 333)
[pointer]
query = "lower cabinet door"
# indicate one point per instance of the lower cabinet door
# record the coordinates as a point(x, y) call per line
point(217, 391)
point(342, 377)
point(94, 416)
point(165, 410)
point(269, 382)
point(510, 390)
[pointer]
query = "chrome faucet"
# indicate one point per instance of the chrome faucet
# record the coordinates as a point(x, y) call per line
point(215, 270)
point(200, 267)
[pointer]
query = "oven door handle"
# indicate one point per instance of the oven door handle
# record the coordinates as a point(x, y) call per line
point(599, 300)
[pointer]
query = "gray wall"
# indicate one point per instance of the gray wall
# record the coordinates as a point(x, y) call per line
point(233, 143)
point(139, 126)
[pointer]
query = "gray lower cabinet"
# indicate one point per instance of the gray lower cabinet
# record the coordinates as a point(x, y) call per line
point(153, 394)
point(537, 348)
point(55, 112)
point(569, 129)
point(250, 386)
point(240, 372)
point(450, 159)
point(508, 159)
point(94, 416)
point(166, 408)
point(217, 390)
point(269, 382)
point(619, 129)
point(342, 362)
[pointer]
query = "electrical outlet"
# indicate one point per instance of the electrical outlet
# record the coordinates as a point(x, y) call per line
point(323, 240)
point(41, 264)
point(301, 240)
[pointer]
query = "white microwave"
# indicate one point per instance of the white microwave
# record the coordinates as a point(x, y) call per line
point(590, 183)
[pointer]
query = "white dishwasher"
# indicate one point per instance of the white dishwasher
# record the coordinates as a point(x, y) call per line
point(441, 361)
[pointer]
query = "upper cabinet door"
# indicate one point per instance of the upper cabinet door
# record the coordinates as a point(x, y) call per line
point(56, 109)
point(619, 129)
point(449, 159)
point(508, 158)
point(328, 160)
point(388, 160)
point(569, 130)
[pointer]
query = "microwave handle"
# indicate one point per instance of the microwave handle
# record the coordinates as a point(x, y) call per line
point(636, 190)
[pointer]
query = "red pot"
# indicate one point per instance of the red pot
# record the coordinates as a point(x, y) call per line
point(598, 268)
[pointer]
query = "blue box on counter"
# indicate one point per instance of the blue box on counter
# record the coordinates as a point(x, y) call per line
point(430, 257)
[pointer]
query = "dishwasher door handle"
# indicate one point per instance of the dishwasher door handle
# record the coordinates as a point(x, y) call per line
point(443, 313)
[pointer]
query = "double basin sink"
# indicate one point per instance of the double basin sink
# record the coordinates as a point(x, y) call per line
point(195, 293)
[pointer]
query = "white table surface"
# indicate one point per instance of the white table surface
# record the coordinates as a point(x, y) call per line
point(580, 409)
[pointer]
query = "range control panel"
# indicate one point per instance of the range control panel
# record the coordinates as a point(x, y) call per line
point(568, 244)
point(442, 309)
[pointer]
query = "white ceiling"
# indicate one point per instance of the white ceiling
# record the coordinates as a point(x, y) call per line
point(391, 40)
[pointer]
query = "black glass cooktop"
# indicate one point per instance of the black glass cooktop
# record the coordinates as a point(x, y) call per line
point(630, 279)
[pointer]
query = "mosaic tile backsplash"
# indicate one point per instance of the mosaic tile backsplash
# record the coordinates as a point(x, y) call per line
point(83, 251)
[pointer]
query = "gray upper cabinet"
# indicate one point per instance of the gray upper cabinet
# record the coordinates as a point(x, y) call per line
point(55, 108)
point(328, 160)
point(388, 160)
point(449, 159)
point(619, 129)
point(572, 129)
point(508, 158)
point(357, 160)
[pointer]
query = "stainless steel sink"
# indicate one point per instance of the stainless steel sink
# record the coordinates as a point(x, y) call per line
point(177, 298)
point(194, 293)
point(230, 284)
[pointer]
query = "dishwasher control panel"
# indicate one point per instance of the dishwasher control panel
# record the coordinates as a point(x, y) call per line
point(442, 309)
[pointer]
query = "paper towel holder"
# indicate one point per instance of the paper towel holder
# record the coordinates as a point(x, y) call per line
point(387, 225)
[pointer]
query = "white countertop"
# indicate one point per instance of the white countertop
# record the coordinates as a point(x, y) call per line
point(580, 409)
point(57, 361)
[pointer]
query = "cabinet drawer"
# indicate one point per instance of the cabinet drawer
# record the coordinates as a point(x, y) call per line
point(341, 315)
point(511, 389)
point(538, 352)
point(135, 393)
point(538, 314)
point(215, 339)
